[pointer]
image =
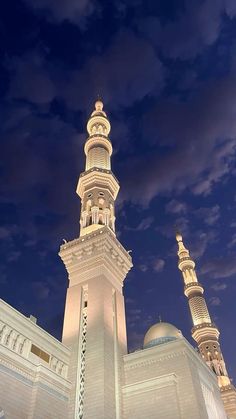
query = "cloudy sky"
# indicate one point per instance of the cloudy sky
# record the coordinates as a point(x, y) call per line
point(167, 74)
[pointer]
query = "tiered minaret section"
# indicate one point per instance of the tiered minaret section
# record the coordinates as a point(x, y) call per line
point(97, 264)
point(204, 331)
point(97, 187)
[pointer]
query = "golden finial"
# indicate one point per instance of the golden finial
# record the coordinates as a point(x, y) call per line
point(99, 104)
point(178, 236)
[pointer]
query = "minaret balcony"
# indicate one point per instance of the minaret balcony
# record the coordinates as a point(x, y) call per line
point(205, 331)
point(186, 263)
point(96, 140)
point(95, 254)
point(192, 289)
point(98, 178)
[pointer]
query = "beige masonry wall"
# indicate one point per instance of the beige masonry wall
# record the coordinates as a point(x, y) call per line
point(15, 393)
point(168, 381)
point(94, 323)
point(25, 397)
point(31, 386)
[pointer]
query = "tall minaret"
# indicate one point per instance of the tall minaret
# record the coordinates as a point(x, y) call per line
point(97, 264)
point(204, 331)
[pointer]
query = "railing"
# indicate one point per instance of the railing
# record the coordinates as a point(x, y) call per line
point(20, 344)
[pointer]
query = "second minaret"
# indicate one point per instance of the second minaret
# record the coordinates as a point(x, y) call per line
point(204, 331)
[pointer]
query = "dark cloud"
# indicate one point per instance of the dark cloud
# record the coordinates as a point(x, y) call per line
point(200, 135)
point(75, 11)
point(30, 79)
point(209, 215)
point(222, 267)
point(219, 286)
point(144, 224)
point(232, 242)
point(201, 242)
point(230, 7)
point(197, 27)
point(13, 256)
point(126, 72)
point(4, 233)
point(133, 317)
point(169, 229)
point(38, 182)
point(215, 301)
point(176, 207)
point(41, 290)
point(143, 267)
point(158, 265)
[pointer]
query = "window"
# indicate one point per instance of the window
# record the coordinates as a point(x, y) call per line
point(40, 353)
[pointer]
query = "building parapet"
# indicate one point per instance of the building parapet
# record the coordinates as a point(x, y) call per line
point(22, 336)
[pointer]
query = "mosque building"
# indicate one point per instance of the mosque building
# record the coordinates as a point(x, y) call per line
point(90, 374)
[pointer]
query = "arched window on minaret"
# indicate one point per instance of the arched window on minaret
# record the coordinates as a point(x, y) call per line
point(112, 217)
point(213, 369)
point(221, 370)
point(209, 356)
point(88, 210)
point(88, 205)
point(101, 203)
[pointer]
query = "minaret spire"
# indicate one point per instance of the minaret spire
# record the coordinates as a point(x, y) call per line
point(97, 186)
point(204, 331)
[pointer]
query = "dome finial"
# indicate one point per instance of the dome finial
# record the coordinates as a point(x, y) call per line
point(182, 251)
point(178, 235)
point(99, 104)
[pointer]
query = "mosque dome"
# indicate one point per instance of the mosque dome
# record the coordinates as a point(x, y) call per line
point(161, 333)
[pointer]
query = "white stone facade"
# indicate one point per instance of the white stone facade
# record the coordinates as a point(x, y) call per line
point(170, 381)
point(166, 381)
point(32, 386)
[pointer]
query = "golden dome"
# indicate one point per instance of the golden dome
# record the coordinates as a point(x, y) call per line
point(161, 333)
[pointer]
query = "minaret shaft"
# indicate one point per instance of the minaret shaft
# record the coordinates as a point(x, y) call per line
point(97, 264)
point(204, 331)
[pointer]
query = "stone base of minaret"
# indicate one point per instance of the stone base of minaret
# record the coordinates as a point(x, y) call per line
point(228, 395)
point(94, 323)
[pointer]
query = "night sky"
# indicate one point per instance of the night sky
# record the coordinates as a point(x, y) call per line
point(166, 71)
